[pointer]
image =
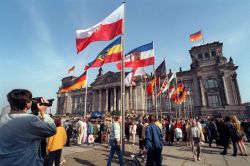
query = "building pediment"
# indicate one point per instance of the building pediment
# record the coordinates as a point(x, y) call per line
point(108, 78)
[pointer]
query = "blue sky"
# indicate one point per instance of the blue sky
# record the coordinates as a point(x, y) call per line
point(37, 37)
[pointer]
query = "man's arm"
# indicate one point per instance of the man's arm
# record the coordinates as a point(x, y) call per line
point(40, 129)
point(148, 138)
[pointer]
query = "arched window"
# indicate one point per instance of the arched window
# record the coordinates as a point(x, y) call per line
point(207, 56)
point(200, 56)
point(213, 53)
point(211, 83)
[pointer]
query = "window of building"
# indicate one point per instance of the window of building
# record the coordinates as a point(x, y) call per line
point(211, 83)
point(213, 101)
point(207, 56)
point(213, 53)
point(200, 56)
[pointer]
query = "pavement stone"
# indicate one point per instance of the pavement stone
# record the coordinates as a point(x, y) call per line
point(177, 155)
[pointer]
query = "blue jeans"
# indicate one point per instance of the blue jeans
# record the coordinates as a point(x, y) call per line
point(115, 148)
point(154, 158)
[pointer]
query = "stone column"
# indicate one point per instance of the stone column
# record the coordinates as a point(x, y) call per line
point(111, 101)
point(107, 99)
point(142, 97)
point(115, 100)
point(127, 99)
point(237, 88)
point(203, 100)
point(136, 99)
point(232, 84)
point(100, 100)
point(69, 110)
point(93, 101)
point(225, 88)
point(130, 98)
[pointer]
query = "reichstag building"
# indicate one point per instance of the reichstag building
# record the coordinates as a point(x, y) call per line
point(211, 81)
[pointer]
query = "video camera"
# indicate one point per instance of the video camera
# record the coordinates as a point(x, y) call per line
point(38, 100)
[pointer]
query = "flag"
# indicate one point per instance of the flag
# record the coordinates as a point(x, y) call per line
point(150, 87)
point(196, 36)
point(111, 53)
point(161, 69)
point(178, 93)
point(171, 85)
point(129, 80)
point(139, 57)
point(107, 29)
point(164, 84)
point(182, 96)
point(77, 83)
point(72, 69)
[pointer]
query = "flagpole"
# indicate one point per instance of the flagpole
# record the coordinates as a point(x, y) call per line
point(170, 110)
point(160, 106)
point(156, 108)
point(86, 92)
point(123, 87)
point(142, 96)
point(146, 102)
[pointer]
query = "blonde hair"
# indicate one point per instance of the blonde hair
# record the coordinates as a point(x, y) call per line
point(234, 119)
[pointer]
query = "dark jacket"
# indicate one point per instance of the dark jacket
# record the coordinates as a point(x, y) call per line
point(139, 130)
point(153, 137)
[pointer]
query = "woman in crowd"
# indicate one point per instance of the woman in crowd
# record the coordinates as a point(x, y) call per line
point(241, 143)
point(186, 128)
point(237, 126)
point(234, 137)
point(55, 144)
point(133, 128)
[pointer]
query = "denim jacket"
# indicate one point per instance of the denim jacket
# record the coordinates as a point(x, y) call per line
point(20, 138)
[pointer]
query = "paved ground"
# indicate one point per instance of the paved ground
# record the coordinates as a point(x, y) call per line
point(177, 155)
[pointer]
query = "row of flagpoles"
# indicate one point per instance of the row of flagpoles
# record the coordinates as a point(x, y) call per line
point(143, 56)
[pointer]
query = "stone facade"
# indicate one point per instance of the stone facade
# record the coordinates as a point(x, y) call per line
point(211, 80)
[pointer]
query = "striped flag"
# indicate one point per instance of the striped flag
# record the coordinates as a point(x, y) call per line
point(164, 84)
point(111, 53)
point(196, 36)
point(78, 83)
point(171, 85)
point(72, 69)
point(105, 30)
point(139, 57)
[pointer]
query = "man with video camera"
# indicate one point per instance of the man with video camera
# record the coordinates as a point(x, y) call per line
point(21, 133)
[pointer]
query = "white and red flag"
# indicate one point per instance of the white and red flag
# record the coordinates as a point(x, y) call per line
point(129, 80)
point(139, 57)
point(107, 29)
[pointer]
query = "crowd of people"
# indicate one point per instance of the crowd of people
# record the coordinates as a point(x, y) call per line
point(39, 139)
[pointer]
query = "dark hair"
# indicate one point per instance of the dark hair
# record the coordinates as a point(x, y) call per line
point(18, 98)
point(227, 118)
point(57, 122)
point(116, 118)
point(151, 118)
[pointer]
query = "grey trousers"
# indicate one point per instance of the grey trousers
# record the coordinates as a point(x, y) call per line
point(196, 149)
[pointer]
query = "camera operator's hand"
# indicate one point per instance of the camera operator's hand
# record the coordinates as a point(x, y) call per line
point(42, 108)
